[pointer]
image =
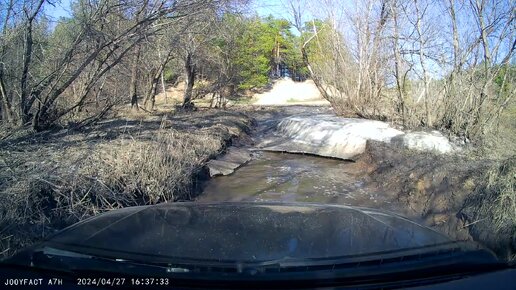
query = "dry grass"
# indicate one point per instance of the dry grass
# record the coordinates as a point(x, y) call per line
point(501, 182)
point(491, 209)
point(51, 180)
point(463, 197)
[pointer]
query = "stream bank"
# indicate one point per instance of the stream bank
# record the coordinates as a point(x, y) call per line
point(449, 193)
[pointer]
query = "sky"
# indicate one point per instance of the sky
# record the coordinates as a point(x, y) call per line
point(262, 7)
point(270, 7)
point(60, 9)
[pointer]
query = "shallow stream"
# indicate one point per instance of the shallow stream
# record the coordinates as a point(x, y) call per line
point(288, 177)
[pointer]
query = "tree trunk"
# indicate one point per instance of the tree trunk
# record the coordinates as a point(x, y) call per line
point(483, 34)
point(397, 65)
point(212, 103)
point(190, 79)
point(23, 107)
point(419, 17)
point(7, 113)
point(456, 49)
point(151, 91)
point(163, 86)
point(6, 106)
point(133, 86)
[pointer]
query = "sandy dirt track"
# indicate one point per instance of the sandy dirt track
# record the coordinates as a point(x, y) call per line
point(287, 92)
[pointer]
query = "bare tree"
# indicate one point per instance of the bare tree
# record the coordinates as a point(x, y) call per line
point(350, 73)
point(94, 48)
point(395, 59)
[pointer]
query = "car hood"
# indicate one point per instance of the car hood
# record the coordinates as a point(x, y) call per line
point(243, 232)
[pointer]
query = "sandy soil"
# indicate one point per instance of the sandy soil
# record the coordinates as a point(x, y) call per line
point(287, 92)
point(283, 92)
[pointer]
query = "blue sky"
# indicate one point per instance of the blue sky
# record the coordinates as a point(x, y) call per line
point(60, 9)
point(262, 7)
point(270, 7)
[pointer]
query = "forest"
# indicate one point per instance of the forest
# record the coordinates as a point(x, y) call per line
point(446, 65)
point(109, 53)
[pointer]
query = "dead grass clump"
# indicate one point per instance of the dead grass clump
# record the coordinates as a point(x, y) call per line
point(47, 183)
point(491, 210)
point(135, 172)
point(501, 183)
point(124, 172)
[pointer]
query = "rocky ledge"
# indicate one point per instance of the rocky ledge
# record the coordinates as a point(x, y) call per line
point(345, 138)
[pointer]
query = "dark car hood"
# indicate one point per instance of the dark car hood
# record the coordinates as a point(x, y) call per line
point(243, 232)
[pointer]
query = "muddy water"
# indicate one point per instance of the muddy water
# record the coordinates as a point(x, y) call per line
point(285, 177)
point(295, 178)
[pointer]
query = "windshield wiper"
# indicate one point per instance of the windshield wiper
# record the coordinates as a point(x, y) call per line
point(58, 259)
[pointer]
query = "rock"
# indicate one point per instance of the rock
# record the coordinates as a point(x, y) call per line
point(219, 167)
point(327, 135)
point(345, 138)
point(425, 141)
point(229, 162)
point(237, 155)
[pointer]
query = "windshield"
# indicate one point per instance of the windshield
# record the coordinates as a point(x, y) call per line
point(243, 134)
